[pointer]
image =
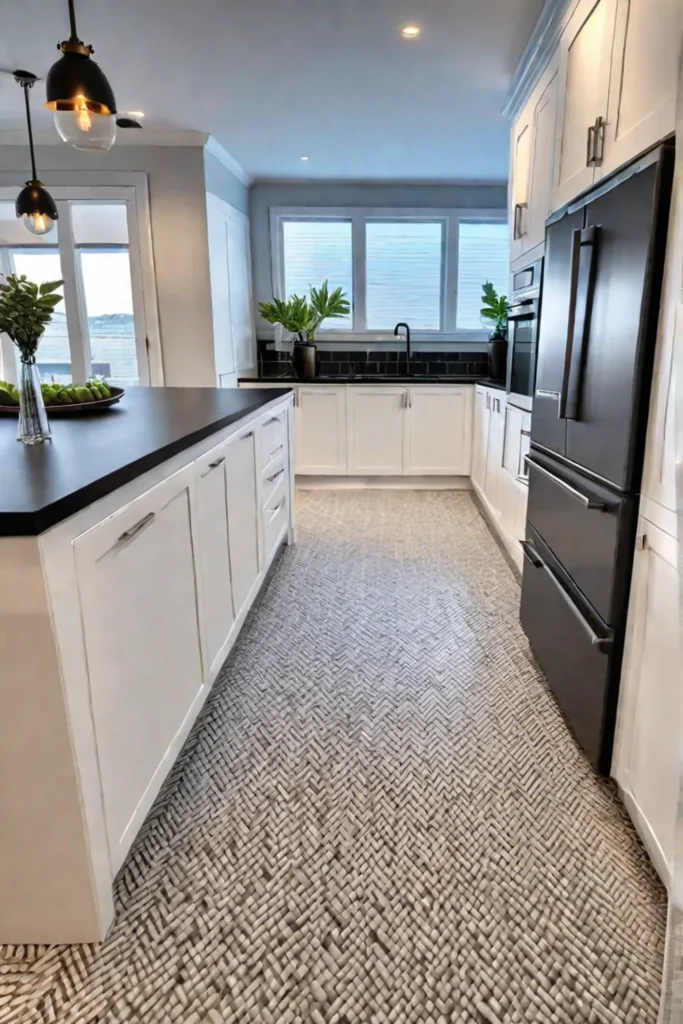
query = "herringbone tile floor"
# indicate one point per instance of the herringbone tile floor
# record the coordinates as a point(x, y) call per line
point(379, 818)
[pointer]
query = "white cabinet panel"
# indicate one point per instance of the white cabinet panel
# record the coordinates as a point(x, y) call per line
point(241, 304)
point(439, 431)
point(320, 418)
point(376, 430)
point(585, 61)
point(220, 290)
point(543, 157)
point(480, 440)
point(243, 516)
point(644, 79)
point(213, 558)
point(522, 133)
point(231, 294)
point(141, 633)
point(646, 762)
point(494, 453)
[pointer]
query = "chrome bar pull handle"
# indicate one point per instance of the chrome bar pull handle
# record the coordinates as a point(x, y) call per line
point(275, 476)
point(135, 530)
point(217, 463)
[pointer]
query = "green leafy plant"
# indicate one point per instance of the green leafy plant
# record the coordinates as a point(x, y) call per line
point(303, 316)
point(495, 308)
point(26, 309)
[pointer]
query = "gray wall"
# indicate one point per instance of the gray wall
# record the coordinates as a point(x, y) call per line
point(224, 184)
point(177, 192)
point(263, 196)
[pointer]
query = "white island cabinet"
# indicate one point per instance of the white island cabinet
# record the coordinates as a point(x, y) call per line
point(129, 586)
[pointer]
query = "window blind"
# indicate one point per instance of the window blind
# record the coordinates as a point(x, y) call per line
point(316, 251)
point(484, 255)
point(403, 274)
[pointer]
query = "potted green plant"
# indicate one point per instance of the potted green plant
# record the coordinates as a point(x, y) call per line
point(302, 317)
point(494, 311)
point(26, 309)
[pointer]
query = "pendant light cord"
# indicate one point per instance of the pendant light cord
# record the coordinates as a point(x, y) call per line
point(72, 19)
point(26, 86)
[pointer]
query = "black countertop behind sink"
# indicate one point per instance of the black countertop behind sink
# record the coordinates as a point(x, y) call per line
point(375, 378)
point(91, 455)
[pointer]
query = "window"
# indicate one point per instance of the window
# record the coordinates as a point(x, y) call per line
point(103, 325)
point(403, 274)
point(426, 267)
point(483, 255)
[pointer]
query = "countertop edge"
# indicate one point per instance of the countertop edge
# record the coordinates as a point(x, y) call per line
point(35, 523)
point(385, 381)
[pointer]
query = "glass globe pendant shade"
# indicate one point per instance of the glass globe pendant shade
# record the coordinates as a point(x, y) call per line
point(83, 129)
point(36, 208)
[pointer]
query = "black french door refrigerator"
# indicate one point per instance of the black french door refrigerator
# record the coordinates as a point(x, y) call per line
point(602, 282)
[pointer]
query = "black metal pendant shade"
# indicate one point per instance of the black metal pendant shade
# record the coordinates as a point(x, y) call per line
point(35, 201)
point(77, 81)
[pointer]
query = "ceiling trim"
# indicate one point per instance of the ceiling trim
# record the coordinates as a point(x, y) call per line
point(221, 154)
point(541, 46)
point(146, 137)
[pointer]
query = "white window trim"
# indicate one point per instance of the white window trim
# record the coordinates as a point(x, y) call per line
point(132, 188)
point(359, 216)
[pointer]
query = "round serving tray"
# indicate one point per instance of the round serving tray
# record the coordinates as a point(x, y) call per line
point(69, 410)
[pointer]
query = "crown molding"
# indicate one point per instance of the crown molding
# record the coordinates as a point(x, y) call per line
point(221, 154)
point(540, 48)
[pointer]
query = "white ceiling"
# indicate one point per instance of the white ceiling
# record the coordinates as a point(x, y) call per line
point(274, 80)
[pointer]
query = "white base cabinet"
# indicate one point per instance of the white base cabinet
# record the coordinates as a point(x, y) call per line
point(320, 430)
point(135, 602)
point(439, 431)
point(646, 760)
point(376, 427)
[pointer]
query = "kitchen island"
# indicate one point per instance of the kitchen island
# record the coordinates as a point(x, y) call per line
point(131, 549)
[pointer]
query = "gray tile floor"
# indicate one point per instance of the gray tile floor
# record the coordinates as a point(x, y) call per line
point(379, 818)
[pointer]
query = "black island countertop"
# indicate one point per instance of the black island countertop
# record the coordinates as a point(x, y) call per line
point(91, 455)
point(441, 378)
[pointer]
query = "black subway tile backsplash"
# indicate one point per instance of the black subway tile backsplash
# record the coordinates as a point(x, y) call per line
point(368, 362)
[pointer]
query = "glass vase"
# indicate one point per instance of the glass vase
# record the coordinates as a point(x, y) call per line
point(33, 423)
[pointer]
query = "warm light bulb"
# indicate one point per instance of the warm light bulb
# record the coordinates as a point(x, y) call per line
point(83, 118)
point(84, 129)
point(38, 223)
point(410, 31)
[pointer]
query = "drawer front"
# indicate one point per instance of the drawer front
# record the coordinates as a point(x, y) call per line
point(275, 519)
point(574, 654)
point(271, 478)
point(580, 523)
point(273, 435)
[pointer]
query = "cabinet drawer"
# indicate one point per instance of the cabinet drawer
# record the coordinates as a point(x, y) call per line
point(275, 522)
point(271, 478)
point(273, 435)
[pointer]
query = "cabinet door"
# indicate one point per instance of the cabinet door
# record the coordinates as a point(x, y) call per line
point(644, 79)
point(521, 169)
point(136, 576)
point(213, 558)
point(585, 60)
point(646, 762)
point(243, 516)
point(241, 304)
point(543, 157)
point(219, 272)
point(320, 419)
point(480, 440)
point(494, 454)
point(439, 431)
point(376, 418)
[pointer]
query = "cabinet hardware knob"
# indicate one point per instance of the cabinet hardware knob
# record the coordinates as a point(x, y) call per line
point(134, 530)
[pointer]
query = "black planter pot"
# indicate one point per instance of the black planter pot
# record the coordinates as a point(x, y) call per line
point(304, 360)
point(498, 354)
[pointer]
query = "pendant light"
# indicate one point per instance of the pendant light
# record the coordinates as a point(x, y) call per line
point(80, 96)
point(34, 203)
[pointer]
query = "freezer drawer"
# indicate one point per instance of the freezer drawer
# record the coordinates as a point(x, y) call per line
point(574, 654)
point(588, 528)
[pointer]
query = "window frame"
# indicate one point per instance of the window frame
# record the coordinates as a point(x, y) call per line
point(360, 216)
point(145, 309)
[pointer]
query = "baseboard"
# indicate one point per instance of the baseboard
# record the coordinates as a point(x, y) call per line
point(396, 483)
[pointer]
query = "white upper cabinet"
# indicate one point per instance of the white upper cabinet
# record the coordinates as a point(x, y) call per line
point(543, 156)
point(241, 304)
point(584, 78)
point(644, 79)
point(521, 180)
point(320, 418)
point(220, 288)
point(376, 430)
point(439, 431)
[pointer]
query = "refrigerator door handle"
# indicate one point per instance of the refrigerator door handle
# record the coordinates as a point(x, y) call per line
point(578, 323)
point(590, 504)
point(538, 563)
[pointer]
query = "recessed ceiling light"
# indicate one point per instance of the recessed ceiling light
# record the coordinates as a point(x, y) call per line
point(135, 113)
point(304, 158)
point(410, 31)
